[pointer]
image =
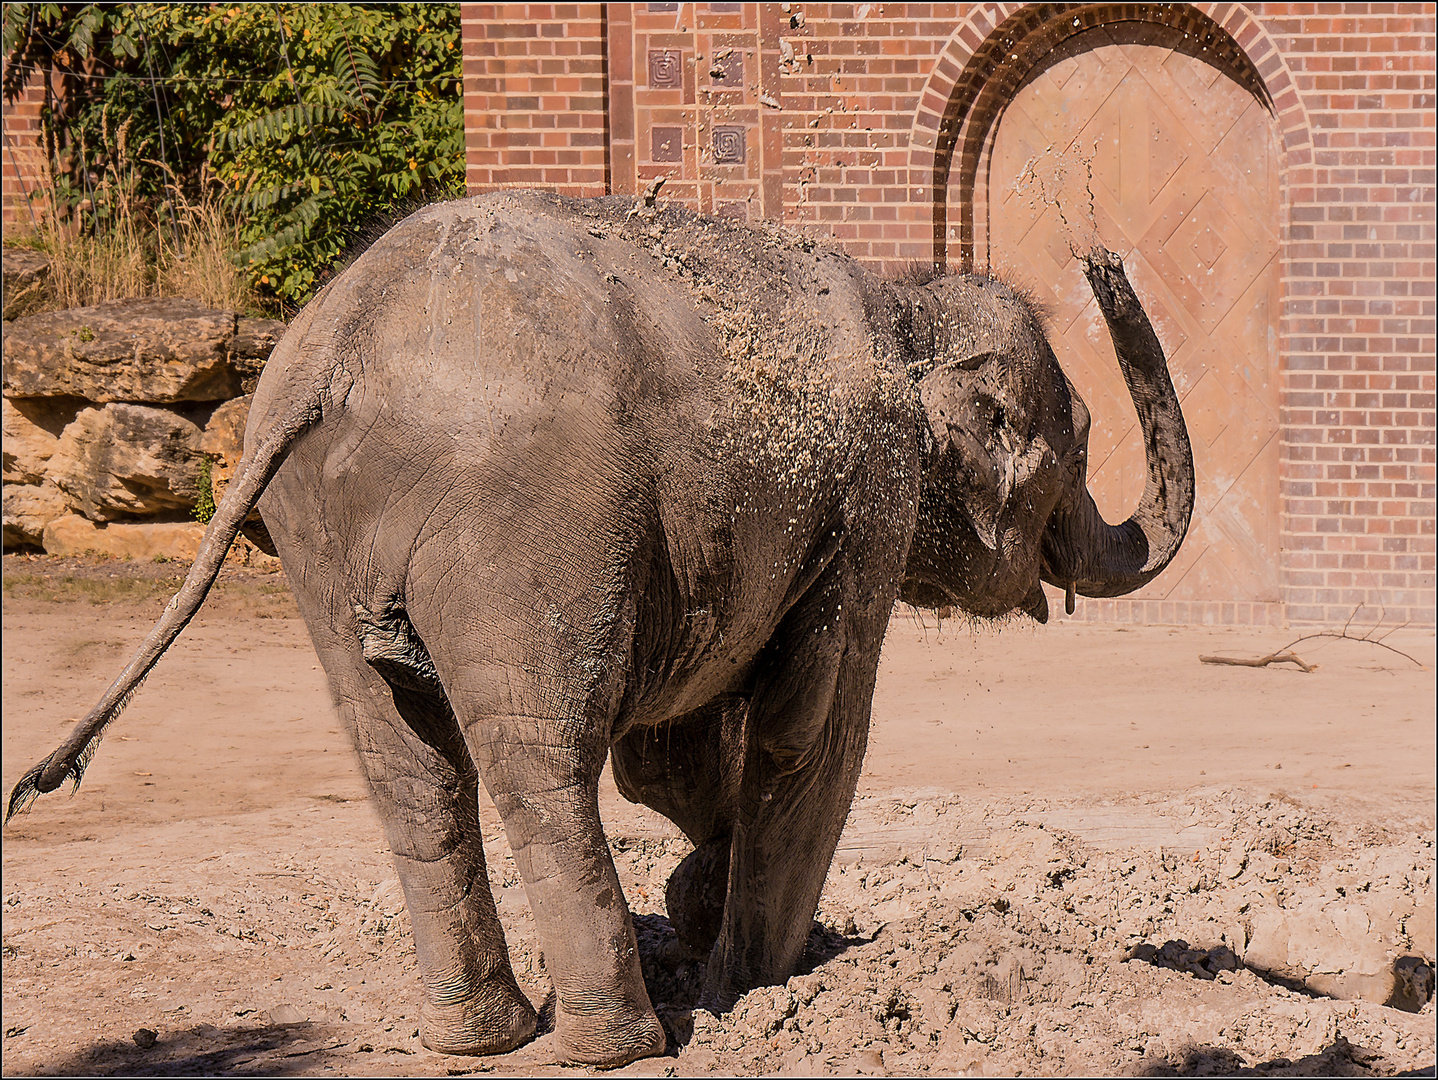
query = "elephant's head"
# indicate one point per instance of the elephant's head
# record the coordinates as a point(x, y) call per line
point(1005, 500)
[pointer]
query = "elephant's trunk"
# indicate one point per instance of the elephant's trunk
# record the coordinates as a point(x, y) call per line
point(1082, 552)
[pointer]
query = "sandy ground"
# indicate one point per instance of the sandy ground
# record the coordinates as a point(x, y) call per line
point(1076, 850)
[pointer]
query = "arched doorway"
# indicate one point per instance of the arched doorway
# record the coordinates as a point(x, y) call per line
point(1175, 161)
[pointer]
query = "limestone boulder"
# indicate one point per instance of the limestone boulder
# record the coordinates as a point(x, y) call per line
point(1340, 948)
point(155, 350)
point(32, 429)
point(128, 461)
point(224, 442)
point(224, 435)
point(75, 535)
point(251, 346)
point(24, 280)
point(28, 508)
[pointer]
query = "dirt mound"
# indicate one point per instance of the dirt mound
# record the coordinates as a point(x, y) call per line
point(1016, 948)
point(1091, 904)
point(1002, 945)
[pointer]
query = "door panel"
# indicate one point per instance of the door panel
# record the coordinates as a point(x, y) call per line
point(1184, 182)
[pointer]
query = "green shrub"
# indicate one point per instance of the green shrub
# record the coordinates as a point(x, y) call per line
point(311, 118)
point(205, 501)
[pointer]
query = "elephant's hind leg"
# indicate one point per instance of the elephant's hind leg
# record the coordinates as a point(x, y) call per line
point(540, 755)
point(427, 792)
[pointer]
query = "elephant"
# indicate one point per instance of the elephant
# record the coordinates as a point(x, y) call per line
point(559, 480)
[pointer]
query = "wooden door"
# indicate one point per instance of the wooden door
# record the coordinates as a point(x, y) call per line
point(1184, 181)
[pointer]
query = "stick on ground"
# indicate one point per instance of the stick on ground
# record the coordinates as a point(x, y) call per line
point(1262, 661)
point(1283, 655)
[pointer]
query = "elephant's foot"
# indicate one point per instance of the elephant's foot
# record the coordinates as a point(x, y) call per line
point(602, 1039)
point(723, 989)
point(488, 1023)
point(694, 896)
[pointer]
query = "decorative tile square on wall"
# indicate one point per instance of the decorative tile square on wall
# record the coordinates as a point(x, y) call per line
point(666, 69)
point(729, 146)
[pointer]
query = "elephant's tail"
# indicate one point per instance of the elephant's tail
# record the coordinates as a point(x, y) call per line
point(254, 474)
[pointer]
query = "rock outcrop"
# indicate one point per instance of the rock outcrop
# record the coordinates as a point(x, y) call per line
point(224, 441)
point(110, 411)
point(75, 535)
point(224, 437)
point(152, 350)
point(127, 460)
point(28, 508)
point(32, 428)
point(251, 346)
point(24, 280)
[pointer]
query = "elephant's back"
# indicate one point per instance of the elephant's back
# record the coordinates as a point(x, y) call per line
point(484, 353)
point(514, 298)
point(521, 339)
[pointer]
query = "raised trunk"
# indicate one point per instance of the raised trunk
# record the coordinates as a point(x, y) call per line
point(1082, 552)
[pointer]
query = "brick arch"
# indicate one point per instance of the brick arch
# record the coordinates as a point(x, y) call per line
point(991, 51)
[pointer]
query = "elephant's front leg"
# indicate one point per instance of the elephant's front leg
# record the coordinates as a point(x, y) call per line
point(807, 731)
point(544, 779)
point(688, 769)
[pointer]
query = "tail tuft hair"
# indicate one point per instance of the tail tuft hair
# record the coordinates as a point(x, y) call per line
point(26, 791)
point(31, 786)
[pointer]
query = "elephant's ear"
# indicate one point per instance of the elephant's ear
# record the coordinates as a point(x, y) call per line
point(945, 393)
point(942, 390)
point(969, 453)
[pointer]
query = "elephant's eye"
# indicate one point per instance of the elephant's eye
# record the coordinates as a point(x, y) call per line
point(1001, 420)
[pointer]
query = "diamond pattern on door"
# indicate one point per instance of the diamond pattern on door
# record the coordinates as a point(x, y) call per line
point(1184, 188)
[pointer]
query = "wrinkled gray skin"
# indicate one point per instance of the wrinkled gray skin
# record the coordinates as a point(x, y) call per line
point(552, 482)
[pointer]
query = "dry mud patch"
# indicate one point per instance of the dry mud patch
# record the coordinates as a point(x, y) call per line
point(1070, 852)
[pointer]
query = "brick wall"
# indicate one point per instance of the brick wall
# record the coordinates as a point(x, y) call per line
point(535, 111)
point(845, 122)
point(852, 96)
point(1358, 489)
point(22, 161)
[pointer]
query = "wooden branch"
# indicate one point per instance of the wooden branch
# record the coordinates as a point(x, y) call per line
point(1262, 661)
point(1367, 640)
point(1283, 655)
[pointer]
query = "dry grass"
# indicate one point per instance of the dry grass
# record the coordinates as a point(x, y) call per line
point(69, 589)
point(198, 260)
point(127, 584)
point(181, 248)
point(87, 270)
